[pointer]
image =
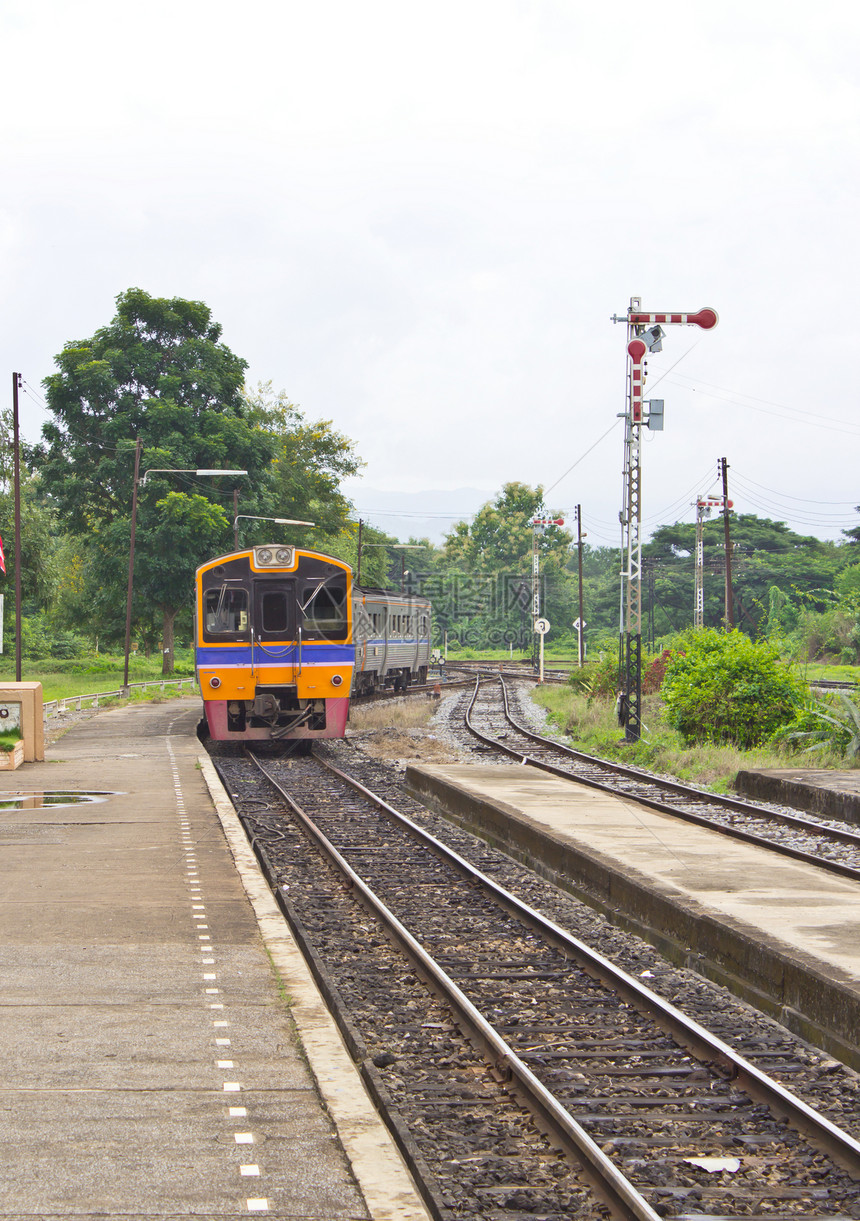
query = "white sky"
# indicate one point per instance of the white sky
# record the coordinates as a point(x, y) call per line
point(417, 219)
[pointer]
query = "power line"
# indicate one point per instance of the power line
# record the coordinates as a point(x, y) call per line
point(581, 457)
point(793, 414)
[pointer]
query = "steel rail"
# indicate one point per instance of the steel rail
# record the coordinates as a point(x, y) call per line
point(736, 804)
point(664, 807)
point(704, 1045)
point(617, 1193)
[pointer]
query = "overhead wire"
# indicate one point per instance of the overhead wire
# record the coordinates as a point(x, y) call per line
point(794, 415)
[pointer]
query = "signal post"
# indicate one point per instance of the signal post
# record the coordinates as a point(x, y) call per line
point(644, 334)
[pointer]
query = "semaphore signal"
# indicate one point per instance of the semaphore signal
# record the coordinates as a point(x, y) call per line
point(644, 334)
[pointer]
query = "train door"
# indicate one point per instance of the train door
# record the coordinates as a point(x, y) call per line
point(275, 624)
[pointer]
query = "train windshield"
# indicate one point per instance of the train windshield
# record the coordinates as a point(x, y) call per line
point(226, 610)
point(274, 616)
point(323, 606)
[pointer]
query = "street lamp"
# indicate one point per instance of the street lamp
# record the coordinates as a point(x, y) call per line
point(181, 470)
point(151, 471)
point(282, 521)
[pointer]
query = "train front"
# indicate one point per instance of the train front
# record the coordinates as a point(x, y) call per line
point(274, 652)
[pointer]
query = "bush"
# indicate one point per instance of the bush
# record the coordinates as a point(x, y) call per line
point(598, 678)
point(724, 687)
point(831, 724)
point(655, 672)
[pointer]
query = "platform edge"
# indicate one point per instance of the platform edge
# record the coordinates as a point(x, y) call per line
point(382, 1176)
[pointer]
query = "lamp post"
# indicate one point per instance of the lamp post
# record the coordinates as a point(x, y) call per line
point(142, 482)
point(282, 521)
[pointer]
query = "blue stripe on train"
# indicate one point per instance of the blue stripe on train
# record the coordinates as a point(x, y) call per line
point(315, 654)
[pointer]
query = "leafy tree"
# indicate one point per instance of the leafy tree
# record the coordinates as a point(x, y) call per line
point(724, 687)
point(487, 567)
point(39, 544)
point(853, 535)
point(158, 373)
point(310, 460)
point(765, 555)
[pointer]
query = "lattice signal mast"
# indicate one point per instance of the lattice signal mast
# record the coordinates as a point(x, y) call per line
point(705, 506)
point(644, 334)
point(539, 523)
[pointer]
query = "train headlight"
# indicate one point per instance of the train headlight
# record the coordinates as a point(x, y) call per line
point(215, 682)
point(270, 557)
point(337, 680)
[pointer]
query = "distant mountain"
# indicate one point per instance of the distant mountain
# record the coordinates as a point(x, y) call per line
point(428, 514)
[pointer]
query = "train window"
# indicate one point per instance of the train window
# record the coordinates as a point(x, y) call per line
point(226, 610)
point(324, 608)
point(274, 613)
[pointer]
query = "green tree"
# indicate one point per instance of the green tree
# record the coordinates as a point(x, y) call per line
point(724, 687)
point(853, 535)
point(310, 460)
point(488, 566)
point(765, 555)
point(158, 373)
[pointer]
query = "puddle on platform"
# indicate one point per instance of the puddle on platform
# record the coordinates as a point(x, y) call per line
point(39, 801)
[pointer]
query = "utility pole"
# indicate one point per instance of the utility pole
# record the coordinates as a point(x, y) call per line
point(235, 519)
point(644, 334)
point(16, 383)
point(723, 469)
point(535, 589)
point(358, 564)
point(579, 537)
point(131, 566)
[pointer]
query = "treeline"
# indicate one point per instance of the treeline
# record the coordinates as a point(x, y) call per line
point(157, 386)
point(795, 588)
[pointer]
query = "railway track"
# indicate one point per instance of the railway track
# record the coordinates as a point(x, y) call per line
point(491, 718)
point(440, 686)
point(667, 1119)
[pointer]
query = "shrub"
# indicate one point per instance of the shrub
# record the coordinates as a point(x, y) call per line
point(655, 672)
point(829, 724)
point(599, 678)
point(724, 687)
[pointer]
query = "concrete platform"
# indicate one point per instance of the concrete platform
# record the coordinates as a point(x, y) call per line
point(780, 933)
point(817, 790)
point(152, 1062)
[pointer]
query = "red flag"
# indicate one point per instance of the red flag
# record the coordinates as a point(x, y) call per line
point(2, 558)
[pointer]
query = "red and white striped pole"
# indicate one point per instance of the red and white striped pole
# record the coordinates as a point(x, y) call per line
point(637, 320)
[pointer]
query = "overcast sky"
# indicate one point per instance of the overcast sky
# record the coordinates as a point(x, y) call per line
point(418, 220)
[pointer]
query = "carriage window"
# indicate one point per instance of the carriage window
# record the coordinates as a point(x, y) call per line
point(324, 608)
point(226, 610)
point(274, 612)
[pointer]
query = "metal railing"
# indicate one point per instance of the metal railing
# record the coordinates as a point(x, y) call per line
point(77, 702)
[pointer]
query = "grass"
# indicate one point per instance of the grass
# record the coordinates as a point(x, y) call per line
point(384, 728)
point(9, 738)
point(813, 671)
point(391, 714)
point(64, 680)
point(593, 727)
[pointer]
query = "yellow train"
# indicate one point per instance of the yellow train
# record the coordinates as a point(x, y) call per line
point(283, 638)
